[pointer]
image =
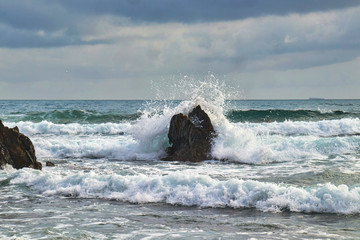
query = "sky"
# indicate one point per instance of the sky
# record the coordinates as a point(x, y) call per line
point(129, 49)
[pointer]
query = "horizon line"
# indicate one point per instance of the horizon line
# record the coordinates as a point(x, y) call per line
point(243, 99)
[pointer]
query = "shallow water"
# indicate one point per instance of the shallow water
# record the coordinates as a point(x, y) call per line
point(26, 212)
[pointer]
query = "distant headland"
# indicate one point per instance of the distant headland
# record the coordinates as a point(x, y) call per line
point(316, 98)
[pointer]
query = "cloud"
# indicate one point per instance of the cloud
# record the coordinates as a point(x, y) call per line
point(24, 38)
point(188, 11)
point(156, 50)
point(41, 24)
point(289, 39)
point(22, 21)
point(281, 42)
point(84, 48)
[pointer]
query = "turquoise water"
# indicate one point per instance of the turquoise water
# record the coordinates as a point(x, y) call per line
point(289, 169)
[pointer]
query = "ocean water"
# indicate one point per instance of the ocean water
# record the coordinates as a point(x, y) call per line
point(289, 169)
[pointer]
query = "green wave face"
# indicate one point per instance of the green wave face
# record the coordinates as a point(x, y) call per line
point(278, 115)
point(76, 116)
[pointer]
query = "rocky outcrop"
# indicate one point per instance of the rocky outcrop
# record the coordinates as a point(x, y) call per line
point(190, 136)
point(49, 164)
point(16, 149)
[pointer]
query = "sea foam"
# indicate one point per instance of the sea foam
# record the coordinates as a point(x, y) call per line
point(46, 127)
point(146, 139)
point(322, 128)
point(189, 189)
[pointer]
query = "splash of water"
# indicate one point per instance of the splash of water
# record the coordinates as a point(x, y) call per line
point(232, 143)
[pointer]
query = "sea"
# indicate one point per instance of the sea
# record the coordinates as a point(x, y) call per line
point(280, 169)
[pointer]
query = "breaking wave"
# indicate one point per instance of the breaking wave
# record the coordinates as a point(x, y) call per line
point(189, 189)
point(245, 136)
point(45, 128)
point(71, 116)
point(279, 115)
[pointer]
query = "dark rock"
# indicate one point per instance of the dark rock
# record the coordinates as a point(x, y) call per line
point(16, 149)
point(50, 164)
point(190, 136)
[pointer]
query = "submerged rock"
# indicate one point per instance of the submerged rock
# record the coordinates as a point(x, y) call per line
point(190, 136)
point(16, 149)
point(50, 164)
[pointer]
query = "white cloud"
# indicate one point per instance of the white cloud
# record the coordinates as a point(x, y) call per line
point(289, 39)
point(41, 33)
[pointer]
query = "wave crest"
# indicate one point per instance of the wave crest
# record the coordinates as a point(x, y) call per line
point(182, 188)
point(72, 116)
point(280, 115)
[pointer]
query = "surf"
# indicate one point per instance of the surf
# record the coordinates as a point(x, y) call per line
point(281, 115)
point(188, 188)
point(242, 135)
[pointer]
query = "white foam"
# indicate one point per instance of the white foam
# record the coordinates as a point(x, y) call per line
point(232, 143)
point(324, 128)
point(120, 147)
point(45, 127)
point(285, 141)
point(147, 138)
point(189, 189)
point(239, 144)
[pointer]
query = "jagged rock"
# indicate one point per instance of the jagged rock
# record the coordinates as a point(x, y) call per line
point(190, 136)
point(50, 164)
point(16, 149)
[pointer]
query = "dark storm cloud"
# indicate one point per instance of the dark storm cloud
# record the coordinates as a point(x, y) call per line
point(33, 15)
point(187, 11)
point(38, 24)
point(54, 23)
